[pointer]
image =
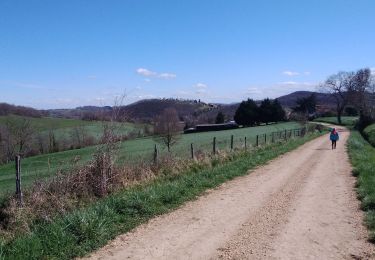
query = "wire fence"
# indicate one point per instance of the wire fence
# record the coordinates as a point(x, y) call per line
point(215, 145)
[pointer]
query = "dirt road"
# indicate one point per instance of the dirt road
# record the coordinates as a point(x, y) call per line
point(300, 206)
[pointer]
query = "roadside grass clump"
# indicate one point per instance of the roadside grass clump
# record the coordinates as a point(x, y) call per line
point(362, 156)
point(85, 229)
point(369, 134)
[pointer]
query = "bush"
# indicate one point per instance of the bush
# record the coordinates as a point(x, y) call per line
point(369, 134)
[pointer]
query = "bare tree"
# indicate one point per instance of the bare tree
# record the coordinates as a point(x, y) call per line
point(338, 85)
point(79, 136)
point(361, 91)
point(53, 145)
point(20, 134)
point(167, 127)
point(362, 96)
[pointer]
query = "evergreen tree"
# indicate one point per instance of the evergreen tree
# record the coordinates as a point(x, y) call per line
point(247, 114)
point(278, 113)
point(220, 118)
point(266, 111)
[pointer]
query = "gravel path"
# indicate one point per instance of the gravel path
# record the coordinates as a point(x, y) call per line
point(301, 205)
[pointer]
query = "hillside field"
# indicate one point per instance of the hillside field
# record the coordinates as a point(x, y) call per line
point(131, 151)
point(63, 127)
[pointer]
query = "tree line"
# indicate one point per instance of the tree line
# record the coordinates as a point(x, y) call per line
point(250, 114)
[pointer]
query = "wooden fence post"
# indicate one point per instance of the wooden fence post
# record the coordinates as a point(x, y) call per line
point(257, 141)
point(231, 142)
point(273, 137)
point(18, 180)
point(155, 154)
point(192, 150)
point(245, 143)
point(214, 146)
point(265, 139)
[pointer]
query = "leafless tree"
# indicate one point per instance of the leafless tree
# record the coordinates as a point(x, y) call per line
point(53, 145)
point(79, 136)
point(167, 127)
point(362, 90)
point(338, 85)
point(20, 134)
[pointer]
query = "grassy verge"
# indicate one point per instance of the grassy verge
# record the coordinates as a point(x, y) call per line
point(84, 230)
point(362, 156)
point(46, 165)
point(345, 120)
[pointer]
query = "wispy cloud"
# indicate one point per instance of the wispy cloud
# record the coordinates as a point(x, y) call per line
point(146, 72)
point(152, 74)
point(200, 85)
point(295, 83)
point(291, 73)
point(295, 73)
point(167, 76)
point(278, 89)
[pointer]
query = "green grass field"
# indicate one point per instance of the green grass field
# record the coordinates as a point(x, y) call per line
point(362, 156)
point(86, 229)
point(131, 151)
point(62, 127)
point(345, 120)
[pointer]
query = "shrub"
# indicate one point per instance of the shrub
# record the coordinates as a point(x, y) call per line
point(369, 134)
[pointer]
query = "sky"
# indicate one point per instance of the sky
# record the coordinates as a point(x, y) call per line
point(64, 54)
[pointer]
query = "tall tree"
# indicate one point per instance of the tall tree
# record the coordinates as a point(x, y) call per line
point(167, 127)
point(306, 105)
point(265, 111)
point(21, 132)
point(278, 113)
point(247, 113)
point(362, 96)
point(220, 118)
point(338, 85)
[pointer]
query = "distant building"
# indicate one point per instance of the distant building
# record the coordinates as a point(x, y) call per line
point(212, 127)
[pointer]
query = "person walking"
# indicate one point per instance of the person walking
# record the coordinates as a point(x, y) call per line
point(334, 137)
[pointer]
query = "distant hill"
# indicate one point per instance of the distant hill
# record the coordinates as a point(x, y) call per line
point(7, 109)
point(192, 111)
point(291, 99)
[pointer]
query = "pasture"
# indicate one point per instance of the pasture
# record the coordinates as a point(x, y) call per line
point(63, 127)
point(131, 151)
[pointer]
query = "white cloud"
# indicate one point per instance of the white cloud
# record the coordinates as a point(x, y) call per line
point(167, 76)
point(295, 83)
point(200, 85)
point(152, 74)
point(147, 80)
point(146, 72)
point(307, 73)
point(290, 73)
point(372, 70)
point(278, 89)
point(253, 91)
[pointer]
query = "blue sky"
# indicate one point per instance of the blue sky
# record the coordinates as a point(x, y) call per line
point(60, 54)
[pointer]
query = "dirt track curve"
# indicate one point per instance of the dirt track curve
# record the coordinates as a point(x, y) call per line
point(301, 205)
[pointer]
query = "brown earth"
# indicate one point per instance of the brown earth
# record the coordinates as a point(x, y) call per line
point(301, 205)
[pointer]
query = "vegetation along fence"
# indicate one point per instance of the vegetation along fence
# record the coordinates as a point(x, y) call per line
point(153, 153)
